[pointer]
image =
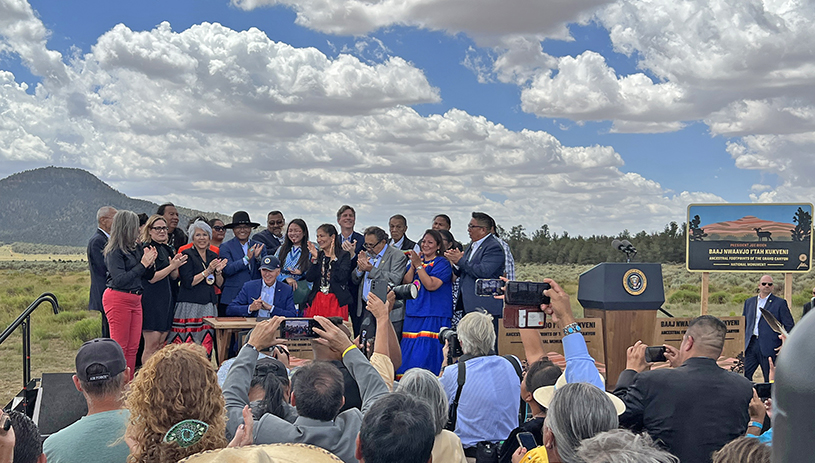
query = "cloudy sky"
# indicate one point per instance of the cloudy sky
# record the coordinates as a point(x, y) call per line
point(592, 116)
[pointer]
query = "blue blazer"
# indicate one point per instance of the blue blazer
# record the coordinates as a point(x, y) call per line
point(767, 338)
point(98, 269)
point(487, 262)
point(283, 300)
point(236, 273)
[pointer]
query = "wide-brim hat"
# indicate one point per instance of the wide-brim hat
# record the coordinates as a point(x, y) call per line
point(241, 218)
point(269, 453)
point(543, 395)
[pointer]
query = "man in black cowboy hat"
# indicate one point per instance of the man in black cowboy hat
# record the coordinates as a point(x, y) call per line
point(243, 258)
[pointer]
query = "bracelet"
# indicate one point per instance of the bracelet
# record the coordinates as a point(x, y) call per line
point(251, 347)
point(755, 424)
point(571, 328)
point(352, 346)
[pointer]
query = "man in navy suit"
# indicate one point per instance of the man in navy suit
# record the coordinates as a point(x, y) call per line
point(243, 258)
point(760, 341)
point(352, 243)
point(96, 263)
point(272, 236)
point(264, 297)
point(483, 258)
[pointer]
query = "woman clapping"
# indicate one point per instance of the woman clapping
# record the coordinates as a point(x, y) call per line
point(329, 273)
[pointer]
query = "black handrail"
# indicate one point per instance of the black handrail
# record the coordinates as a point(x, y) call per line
point(24, 320)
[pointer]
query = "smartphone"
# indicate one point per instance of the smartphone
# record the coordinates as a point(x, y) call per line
point(764, 390)
point(299, 328)
point(526, 293)
point(489, 287)
point(527, 440)
point(655, 354)
point(380, 288)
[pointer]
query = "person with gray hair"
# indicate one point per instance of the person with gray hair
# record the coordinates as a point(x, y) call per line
point(101, 376)
point(96, 262)
point(196, 296)
point(695, 407)
point(128, 264)
point(487, 408)
point(578, 411)
point(424, 385)
point(622, 446)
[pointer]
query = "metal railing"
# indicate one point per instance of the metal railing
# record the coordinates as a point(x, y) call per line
point(24, 320)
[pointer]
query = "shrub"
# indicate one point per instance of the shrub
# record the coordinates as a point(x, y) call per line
point(739, 298)
point(719, 297)
point(684, 295)
point(798, 300)
point(688, 287)
point(85, 330)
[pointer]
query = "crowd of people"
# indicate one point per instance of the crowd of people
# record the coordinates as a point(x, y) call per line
point(397, 396)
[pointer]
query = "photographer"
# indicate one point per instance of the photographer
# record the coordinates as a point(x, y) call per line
point(487, 408)
point(694, 408)
point(317, 393)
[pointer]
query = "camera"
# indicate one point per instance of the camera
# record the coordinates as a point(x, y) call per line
point(655, 354)
point(529, 293)
point(450, 336)
point(405, 292)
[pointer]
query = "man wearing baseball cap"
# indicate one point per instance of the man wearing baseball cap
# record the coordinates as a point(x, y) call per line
point(101, 375)
point(264, 297)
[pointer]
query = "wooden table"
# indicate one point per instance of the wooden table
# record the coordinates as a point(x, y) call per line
point(225, 327)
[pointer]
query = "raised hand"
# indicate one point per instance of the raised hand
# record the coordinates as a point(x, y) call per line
point(149, 256)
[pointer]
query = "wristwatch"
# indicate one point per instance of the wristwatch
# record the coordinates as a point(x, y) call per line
point(571, 328)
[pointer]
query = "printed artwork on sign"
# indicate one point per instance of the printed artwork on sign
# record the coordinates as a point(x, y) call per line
point(749, 237)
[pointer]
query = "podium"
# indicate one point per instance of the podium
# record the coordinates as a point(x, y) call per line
point(626, 297)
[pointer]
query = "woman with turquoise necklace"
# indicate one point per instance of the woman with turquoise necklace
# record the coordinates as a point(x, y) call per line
point(432, 308)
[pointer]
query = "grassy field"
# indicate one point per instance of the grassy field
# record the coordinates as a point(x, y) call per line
point(8, 254)
point(55, 338)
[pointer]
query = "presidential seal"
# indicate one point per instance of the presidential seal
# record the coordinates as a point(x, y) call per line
point(634, 282)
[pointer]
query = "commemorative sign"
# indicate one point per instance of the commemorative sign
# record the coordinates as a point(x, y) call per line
point(749, 238)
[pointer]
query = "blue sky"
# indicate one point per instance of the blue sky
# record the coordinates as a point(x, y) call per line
point(593, 117)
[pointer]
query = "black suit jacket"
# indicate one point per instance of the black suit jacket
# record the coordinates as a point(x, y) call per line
point(407, 244)
point(807, 308)
point(98, 269)
point(694, 410)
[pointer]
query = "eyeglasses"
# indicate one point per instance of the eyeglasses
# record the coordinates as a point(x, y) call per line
point(764, 283)
point(159, 229)
point(370, 246)
point(277, 222)
point(471, 226)
point(218, 228)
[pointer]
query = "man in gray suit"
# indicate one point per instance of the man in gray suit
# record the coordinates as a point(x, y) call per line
point(317, 393)
point(379, 267)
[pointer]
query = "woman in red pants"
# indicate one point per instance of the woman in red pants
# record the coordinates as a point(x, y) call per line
point(128, 266)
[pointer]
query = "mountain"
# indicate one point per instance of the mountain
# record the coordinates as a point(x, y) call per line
point(57, 205)
point(745, 228)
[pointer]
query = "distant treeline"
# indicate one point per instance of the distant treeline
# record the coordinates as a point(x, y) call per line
point(33, 248)
point(544, 246)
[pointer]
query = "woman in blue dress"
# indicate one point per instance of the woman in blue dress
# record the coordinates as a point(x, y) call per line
point(432, 308)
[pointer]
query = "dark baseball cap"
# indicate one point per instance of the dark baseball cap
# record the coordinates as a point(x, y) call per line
point(271, 365)
point(270, 263)
point(100, 351)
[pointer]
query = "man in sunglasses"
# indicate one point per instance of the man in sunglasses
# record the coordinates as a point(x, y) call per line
point(272, 236)
point(760, 341)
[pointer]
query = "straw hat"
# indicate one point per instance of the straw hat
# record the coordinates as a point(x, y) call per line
point(270, 453)
point(543, 395)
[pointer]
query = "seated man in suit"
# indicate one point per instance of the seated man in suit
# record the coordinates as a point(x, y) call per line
point(694, 408)
point(242, 256)
point(264, 297)
point(760, 341)
point(483, 258)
